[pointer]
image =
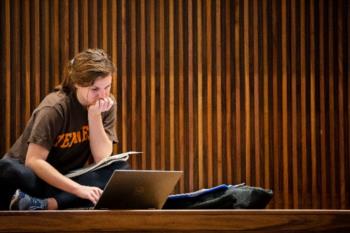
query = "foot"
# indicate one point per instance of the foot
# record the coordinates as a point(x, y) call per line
point(22, 201)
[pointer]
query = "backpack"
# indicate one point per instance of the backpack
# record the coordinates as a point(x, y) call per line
point(221, 197)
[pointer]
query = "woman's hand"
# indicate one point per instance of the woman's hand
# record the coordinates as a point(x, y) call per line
point(36, 160)
point(89, 193)
point(100, 144)
point(101, 105)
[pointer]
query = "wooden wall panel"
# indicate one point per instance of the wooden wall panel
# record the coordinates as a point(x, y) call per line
point(229, 91)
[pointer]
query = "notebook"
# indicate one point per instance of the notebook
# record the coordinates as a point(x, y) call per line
point(138, 189)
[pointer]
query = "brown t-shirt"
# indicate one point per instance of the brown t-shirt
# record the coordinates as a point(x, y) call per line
point(60, 124)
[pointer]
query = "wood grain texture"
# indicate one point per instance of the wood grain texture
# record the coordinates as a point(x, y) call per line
point(229, 91)
point(177, 221)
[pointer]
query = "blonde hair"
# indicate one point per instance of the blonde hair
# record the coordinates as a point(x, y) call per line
point(85, 68)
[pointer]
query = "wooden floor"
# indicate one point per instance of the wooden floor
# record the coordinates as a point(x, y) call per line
point(177, 221)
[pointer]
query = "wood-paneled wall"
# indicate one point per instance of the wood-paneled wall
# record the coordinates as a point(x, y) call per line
point(228, 91)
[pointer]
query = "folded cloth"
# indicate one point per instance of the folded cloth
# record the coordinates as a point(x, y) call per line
point(248, 197)
point(221, 197)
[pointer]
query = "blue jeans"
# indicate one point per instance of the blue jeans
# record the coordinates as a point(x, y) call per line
point(14, 175)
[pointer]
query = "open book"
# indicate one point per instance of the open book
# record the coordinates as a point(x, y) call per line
point(103, 163)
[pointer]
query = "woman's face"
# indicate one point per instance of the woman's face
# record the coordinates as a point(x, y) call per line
point(99, 90)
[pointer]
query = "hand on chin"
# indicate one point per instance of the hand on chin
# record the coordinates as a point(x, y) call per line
point(100, 105)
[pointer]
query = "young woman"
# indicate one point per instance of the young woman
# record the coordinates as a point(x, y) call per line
point(71, 126)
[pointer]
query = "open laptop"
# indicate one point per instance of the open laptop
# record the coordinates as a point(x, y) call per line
point(138, 189)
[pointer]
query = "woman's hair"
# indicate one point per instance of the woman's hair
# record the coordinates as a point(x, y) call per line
point(85, 68)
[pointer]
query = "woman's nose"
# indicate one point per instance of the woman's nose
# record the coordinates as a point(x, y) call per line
point(102, 94)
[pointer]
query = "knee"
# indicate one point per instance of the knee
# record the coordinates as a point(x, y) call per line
point(12, 170)
point(8, 167)
point(7, 164)
point(120, 165)
point(108, 170)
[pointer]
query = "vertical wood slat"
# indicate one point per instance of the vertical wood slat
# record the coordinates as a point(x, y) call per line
point(257, 112)
point(26, 59)
point(123, 87)
point(7, 59)
point(209, 129)
point(16, 76)
point(133, 74)
point(93, 36)
point(64, 48)
point(190, 98)
point(55, 60)
point(228, 81)
point(218, 98)
point(285, 106)
point(104, 32)
point(331, 107)
point(45, 28)
point(339, 89)
point(276, 135)
point(347, 74)
point(303, 104)
point(160, 18)
point(266, 96)
point(74, 13)
point(228, 91)
point(246, 90)
point(314, 176)
point(322, 113)
point(266, 114)
point(180, 92)
point(294, 152)
point(36, 48)
point(237, 91)
point(152, 84)
point(114, 53)
point(84, 25)
point(3, 40)
point(171, 87)
point(144, 138)
point(200, 97)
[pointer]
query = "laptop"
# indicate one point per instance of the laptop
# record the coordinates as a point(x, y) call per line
point(138, 189)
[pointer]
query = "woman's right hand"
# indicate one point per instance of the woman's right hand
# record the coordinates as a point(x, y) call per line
point(90, 193)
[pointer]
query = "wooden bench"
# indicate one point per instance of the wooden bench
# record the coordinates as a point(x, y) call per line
point(176, 221)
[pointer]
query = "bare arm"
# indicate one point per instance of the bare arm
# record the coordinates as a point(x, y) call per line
point(36, 160)
point(100, 144)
